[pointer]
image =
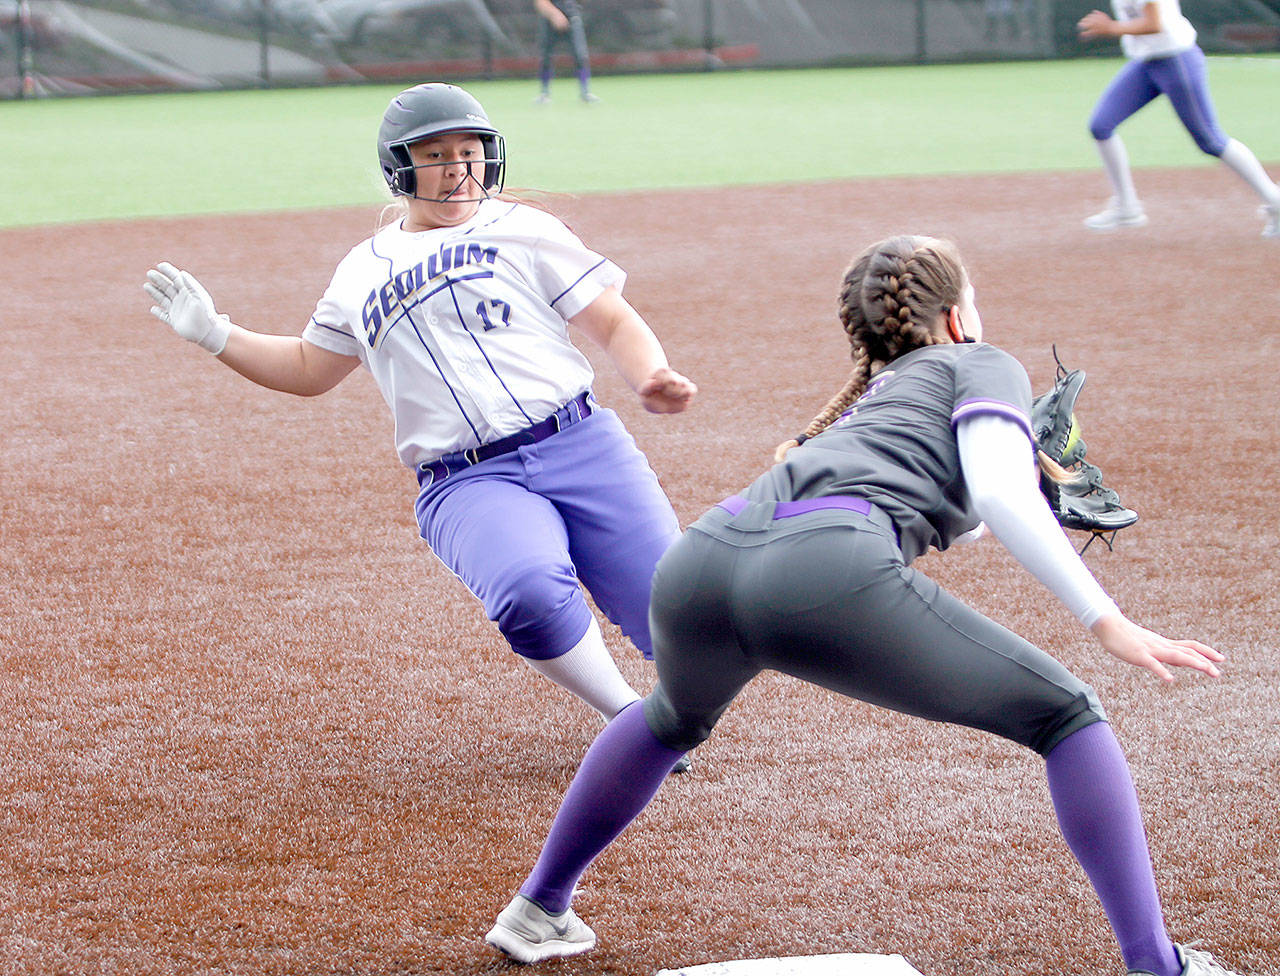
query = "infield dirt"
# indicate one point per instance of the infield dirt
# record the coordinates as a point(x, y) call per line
point(253, 726)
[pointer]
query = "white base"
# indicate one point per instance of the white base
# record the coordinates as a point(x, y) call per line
point(836, 964)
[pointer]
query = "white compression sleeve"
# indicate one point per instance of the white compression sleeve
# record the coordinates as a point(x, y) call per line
point(1000, 471)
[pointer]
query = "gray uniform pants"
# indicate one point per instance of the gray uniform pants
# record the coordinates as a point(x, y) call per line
point(549, 39)
point(825, 597)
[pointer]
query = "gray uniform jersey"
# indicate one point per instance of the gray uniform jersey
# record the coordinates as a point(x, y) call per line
point(899, 451)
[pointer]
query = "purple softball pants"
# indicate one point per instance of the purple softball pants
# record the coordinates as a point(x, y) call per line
point(1181, 77)
point(522, 529)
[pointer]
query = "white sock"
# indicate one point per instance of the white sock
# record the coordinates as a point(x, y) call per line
point(1240, 158)
point(587, 670)
point(1115, 161)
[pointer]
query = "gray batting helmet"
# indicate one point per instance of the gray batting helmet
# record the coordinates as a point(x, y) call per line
point(432, 110)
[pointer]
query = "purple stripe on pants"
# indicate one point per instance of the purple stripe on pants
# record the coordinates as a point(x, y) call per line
point(522, 530)
point(1182, 78)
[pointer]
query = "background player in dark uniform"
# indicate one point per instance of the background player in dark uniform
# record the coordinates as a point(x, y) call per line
point(557, 18)
point(808, 572)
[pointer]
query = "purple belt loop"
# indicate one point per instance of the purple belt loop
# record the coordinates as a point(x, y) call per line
point(733, 504)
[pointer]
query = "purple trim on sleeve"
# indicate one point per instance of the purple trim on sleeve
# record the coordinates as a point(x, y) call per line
point(322, 325)
point(578, 282)
point(971, 408)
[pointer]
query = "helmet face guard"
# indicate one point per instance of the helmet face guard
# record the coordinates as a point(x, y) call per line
point(434, 110)
point(403, 177)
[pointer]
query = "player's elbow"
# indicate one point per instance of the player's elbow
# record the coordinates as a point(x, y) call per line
point(314, 386)
point(319, 371)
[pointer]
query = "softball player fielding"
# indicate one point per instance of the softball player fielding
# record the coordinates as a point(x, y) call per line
point(808, 572)
point(1164, 59)
point(460, 310)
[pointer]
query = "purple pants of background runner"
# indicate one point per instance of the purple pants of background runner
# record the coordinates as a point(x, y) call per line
point(1182, 78)
point(520, 530)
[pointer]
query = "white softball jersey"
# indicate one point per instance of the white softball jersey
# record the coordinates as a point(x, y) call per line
point(1176, 32)
point(465, 329)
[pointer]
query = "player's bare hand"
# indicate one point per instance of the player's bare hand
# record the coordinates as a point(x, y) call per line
point(1096, 23)
point(1144, 648)
point(182, 303)
point(555, 16)
point(666, 391)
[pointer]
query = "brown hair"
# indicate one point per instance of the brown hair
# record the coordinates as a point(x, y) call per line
point(890, 299)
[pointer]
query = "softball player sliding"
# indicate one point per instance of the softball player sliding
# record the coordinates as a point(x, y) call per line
point(1164, 59)
point(808, 572)
point(460, 310)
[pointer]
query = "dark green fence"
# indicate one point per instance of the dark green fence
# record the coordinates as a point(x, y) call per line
point(54, 47)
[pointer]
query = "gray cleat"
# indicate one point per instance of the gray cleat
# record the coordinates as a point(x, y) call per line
point(527, 933)
point(1195, 962)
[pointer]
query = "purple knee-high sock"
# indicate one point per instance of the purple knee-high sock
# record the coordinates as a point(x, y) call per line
point(619, 775)
point(1098, 814)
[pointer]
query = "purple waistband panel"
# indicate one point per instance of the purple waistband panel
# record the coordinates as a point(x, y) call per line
point(850, 503)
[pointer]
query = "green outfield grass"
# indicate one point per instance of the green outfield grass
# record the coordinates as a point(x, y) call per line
point(154, 155)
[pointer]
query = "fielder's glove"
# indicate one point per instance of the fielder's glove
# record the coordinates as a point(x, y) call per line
point(182, 304)
point(1083, 502)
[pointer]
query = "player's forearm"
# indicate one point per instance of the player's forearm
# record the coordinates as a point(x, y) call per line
point(999, 473)
point(552, 13)
point(635, 351)
point(284, 363)
point(274, 361)
point(1148, 23)
point(1099, 24)
point(617, 328)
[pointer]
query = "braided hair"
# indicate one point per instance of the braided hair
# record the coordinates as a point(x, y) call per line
point(890, 299)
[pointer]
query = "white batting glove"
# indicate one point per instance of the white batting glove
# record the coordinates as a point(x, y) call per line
point(182, 304)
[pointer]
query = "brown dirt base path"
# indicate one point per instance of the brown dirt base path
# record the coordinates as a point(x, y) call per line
point(251, 725)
